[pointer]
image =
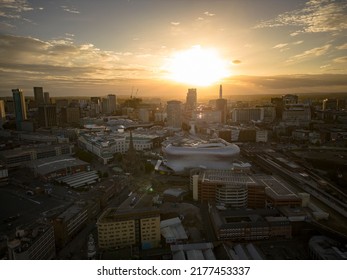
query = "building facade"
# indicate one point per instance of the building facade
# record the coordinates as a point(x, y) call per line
point(19, 107)
point(135, 227)
point(174, 114)
point(228, 188)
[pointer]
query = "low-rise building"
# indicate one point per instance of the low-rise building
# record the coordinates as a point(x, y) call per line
point(68, 224)
point(33, 242)
point(249, 224)
point(19, 157)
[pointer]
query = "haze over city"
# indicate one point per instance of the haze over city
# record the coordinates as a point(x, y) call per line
point(173, 130)
point(162, 47)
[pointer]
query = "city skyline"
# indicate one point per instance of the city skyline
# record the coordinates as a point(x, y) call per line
point(116, 47)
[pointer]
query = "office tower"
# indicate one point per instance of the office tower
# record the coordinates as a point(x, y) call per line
point(221, 105)
point(19, 107)
point(47, 115)
point(70, 115)
point(174, 114)
point(191, 99)
point(38, 95)
point(46, 98)
point(111, 103)
point(2, 110)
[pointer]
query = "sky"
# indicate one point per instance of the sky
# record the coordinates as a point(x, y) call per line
point(95, 48)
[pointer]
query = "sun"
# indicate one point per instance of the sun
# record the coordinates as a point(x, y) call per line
point(197, 67)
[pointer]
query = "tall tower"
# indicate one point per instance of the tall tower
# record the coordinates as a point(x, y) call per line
point(174, 114)
point(111, 103)
point(47, 115)
point(2, 111)
point(221, 105)
point(46, 98)
point(38, 95)
point(19, 107)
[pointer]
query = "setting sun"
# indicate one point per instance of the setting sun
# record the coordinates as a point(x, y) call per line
point(197, 66)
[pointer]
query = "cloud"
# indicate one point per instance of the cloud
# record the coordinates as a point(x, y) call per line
point(298, 42)
point(175, 23)
point(342, 47)
point(279, 46)
point(209, 14)
point(290, 82)
point(236, 61)
point(342, 59)
point(26, 59)
point(310, 53)
point(12, 10)
point(70, 10)
point(316, 16)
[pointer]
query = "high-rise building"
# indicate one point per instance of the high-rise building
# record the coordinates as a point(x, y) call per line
point(70, 115)
point(38, 95)
point(191, 99)
point(46, 98)
point(2, 111)
point(47, 115)
point(221, 105)
point(135, 227)
point(174, 114)
point(19, 107)
point(111, 103)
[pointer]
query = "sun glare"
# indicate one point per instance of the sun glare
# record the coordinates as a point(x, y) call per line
point(197, 67)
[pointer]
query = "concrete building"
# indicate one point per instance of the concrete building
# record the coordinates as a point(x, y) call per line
point(68, 224)
point(33, 242)
point(71, 115)
point(174, 114)
point(246, 115)
point(191, 100)
point(245, 224)
point(104, 145)
point(228, 188)
point(296, 113)
point(129, 227)
point(19, 107)
point(47, 115)
point(46, 98)
point(173, 231)
point(2, 111)
point(38, 96)
point(20, 156)
point(111, 104)
point(54, 167)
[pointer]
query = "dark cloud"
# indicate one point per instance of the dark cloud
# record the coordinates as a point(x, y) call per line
point(292, 81)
